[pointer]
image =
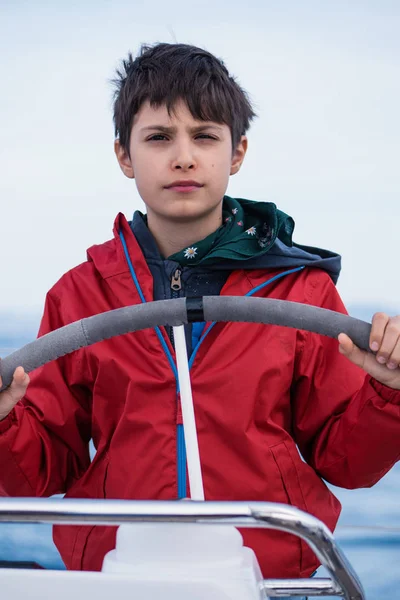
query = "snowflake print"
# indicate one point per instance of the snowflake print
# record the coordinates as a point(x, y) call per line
point(190, 252)
point(234, 211)
point(240, 223)
point(251, 231)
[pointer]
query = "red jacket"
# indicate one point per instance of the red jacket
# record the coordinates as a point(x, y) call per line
point(260, 393)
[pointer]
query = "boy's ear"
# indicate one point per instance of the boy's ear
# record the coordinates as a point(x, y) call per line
point(124, 160)
point(238, 155)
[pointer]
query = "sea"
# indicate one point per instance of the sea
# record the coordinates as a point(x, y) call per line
point(368, 531)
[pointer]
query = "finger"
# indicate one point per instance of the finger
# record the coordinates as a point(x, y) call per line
point(18, 386)
point(20, 378)
point(14, 393)
point(350, 350)
point(389, 341)
point(394, 359)
point(379, 322)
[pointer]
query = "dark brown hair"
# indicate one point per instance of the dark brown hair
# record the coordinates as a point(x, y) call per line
point(165, 73)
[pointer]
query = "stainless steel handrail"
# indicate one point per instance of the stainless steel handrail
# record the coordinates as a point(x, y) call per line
point(279, 588)
point(344, 582)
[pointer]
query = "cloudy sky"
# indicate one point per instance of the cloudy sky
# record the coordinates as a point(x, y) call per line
point(325, 81)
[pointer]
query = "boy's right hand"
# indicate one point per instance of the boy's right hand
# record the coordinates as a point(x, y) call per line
point(14, 393)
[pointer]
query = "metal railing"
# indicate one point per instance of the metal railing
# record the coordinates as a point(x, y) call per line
point(343, 582)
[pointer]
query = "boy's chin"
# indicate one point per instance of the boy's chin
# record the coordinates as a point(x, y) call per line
point(185, 210)
point(186, 216)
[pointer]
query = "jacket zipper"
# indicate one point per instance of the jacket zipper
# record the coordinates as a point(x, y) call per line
point(176, 287)
point(176, 284)
point(181, 450)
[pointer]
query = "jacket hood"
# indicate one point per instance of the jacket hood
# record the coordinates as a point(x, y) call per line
point(282, 256)
point(109, 259)
point(278, 256)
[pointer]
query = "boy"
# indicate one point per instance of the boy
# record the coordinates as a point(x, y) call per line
point(260, 392)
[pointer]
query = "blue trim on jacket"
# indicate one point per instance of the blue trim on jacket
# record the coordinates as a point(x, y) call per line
point(181, 446)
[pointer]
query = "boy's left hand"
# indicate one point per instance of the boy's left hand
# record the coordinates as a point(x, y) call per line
point(385, 342)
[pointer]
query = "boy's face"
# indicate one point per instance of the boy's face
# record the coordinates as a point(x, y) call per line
point(167, 151)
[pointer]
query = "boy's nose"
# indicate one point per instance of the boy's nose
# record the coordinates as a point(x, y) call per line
point(184, 159)
point(184, 165)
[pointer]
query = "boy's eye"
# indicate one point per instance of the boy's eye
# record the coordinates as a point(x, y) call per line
point(205, 136)
point(157, 137)
point(160, 137)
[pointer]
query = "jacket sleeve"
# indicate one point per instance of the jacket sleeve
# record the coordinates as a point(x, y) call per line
point(44, 441)
point(346, 424)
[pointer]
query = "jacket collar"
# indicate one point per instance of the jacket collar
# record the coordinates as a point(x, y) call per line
point(109, 258)
point(110, 262)
point(279, 256)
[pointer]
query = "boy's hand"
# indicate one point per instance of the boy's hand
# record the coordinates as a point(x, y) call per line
point(14, 393)
point(385, 342)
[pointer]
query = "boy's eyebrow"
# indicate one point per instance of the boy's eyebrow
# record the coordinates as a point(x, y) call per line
point(170, 130)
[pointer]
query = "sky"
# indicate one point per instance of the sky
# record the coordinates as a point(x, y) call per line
point(324, 78)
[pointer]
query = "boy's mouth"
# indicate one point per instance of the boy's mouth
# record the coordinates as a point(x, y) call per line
point(184, 185)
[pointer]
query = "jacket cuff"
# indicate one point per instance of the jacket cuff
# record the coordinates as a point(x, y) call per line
point(385, 392)
point(9, 420)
